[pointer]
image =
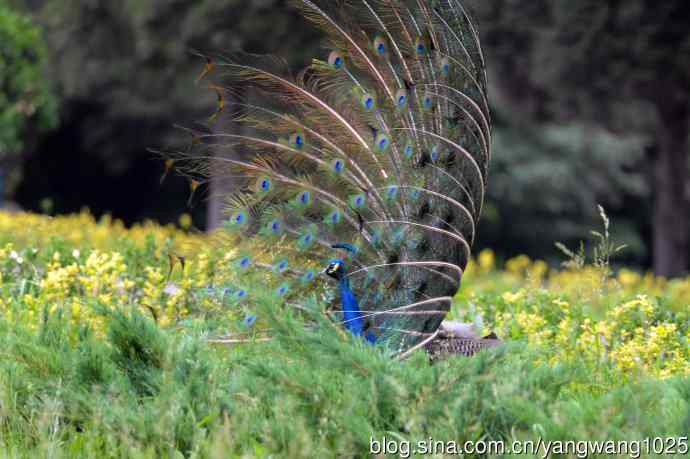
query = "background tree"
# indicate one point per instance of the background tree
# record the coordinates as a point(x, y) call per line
point(624, 66)
point(26, 104)
point(587, 97)
point(126, 75)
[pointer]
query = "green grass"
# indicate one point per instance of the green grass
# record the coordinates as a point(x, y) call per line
point(69, 389)
point(146, 392)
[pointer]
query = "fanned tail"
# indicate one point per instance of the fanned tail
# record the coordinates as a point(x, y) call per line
point(383, 144)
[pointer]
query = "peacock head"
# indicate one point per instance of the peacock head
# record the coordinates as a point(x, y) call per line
point(336, 269)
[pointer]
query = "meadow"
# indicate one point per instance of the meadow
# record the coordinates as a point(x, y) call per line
point(104, 337)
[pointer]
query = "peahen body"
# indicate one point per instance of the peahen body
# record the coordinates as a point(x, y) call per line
point(371, 162)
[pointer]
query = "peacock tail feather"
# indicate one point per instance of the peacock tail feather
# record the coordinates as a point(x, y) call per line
point(379, 148)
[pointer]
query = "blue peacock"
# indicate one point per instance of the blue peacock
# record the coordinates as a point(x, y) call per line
point(366, 170)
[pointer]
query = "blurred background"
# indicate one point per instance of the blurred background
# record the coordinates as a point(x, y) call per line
point(590, 101)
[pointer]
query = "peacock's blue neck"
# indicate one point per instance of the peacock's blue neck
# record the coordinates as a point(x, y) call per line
point(352, 315)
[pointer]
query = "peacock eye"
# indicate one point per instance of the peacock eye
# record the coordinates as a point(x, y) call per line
point(297, 140)
point(445, 66)
point(308, 276)
point(428, 101)
point(333, 218)
point(239, 218)
point(358, 201)
point(380, 45)
point(265, 185)
point(249, 320)
point(434, 152)
point(338, 166)
point(368, 102)
point(420, 47)
point(401, 97)
point(335, 59)
point(408, 151)
point(304, 198)
point(245, 262)
point(382, 142)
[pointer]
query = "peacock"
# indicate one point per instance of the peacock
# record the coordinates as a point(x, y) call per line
point(363, 174)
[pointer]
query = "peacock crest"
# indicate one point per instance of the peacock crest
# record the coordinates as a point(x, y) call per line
point(364, 174)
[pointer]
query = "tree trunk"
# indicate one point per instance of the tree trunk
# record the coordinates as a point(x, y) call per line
point(214, 214)
point(222, 185)
point(671, 207)
point(222, 182)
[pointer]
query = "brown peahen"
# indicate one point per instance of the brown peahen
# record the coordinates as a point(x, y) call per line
point(370, 163)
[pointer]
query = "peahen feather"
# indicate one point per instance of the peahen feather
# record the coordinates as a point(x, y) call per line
point(376, 154)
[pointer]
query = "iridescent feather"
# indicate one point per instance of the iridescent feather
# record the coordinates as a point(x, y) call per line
point(379, 148)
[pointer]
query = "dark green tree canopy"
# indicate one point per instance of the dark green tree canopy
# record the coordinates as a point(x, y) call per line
point(589, 58)
point(623, 66)
point(26, 104)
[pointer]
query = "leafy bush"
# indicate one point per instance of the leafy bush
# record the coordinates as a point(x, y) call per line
point(26, 103)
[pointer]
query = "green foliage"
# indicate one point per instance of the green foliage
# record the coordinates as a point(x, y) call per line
point(305, 394)
point(589, 59)
point(26, 104)
point(546, 182)
point(602, 252)
point(139, 389)
point(591, 100)
point(144, 81)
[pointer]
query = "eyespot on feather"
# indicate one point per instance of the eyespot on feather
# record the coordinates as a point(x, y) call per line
point(368, 102)
point(391, 192)
point(427, 101)
point(249, 320)
point(358, 201)
point(297, 140)
point(382, 142)
point(303, 198)
point(435, 155)
point(380, 45)
point(307, 277)
point(337, 166)
point(420, 46)
point(401, 98)
point(237, 220)
point(264, 184)
point(333, 217)
point(282, 290)
point(306, 240)
point(281, 266)
point(243, 263)
point(335, 60)
point(408, 151)
point(273, 228)
point(445, 66)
